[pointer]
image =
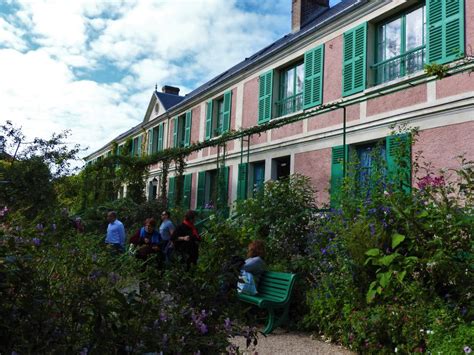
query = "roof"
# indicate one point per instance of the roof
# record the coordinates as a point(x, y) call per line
point(168, 100)
point(287, 40)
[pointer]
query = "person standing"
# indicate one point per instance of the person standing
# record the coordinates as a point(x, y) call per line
point(147, 240)
point(115, 233)
point(166, 230)
point(186, 239)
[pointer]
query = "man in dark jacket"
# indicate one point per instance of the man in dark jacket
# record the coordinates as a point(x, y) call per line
point(186, 240)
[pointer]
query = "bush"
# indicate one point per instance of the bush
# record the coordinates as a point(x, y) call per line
point(68, 294)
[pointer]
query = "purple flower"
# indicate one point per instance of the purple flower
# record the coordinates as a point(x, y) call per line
point(163, 316)
point(227, 325)
point(372, 229)
point(113, 277)
point(203, 328)
point(467, 350)
point(324, 251)
point(37, 242)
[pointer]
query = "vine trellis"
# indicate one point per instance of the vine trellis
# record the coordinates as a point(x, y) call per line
point(103, 179)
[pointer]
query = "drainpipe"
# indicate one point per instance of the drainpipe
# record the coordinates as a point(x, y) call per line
point(344, 160)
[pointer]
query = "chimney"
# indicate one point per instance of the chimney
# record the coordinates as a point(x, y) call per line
point(303, 11)
point(170, 90)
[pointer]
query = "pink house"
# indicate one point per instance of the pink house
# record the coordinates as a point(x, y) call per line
point(363, 59)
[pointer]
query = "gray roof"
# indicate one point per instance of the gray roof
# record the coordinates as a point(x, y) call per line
point(168, 100)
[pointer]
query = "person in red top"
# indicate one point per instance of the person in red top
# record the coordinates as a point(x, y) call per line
point(186, 240)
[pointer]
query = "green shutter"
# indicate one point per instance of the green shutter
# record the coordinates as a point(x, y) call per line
point(150, 141)
point(160, 136)
point(209, 113)
point(223, 191)
point(337, 174)
point(201, 190)
point(139, 149)
point(398, 150)
point(187, 191)
point(132, 153)
point(242, 182)
point(187, 129)
point(265, 97)
point(445, 27)
point(354, 60)
point(175, 132)
point(313, 77)
point(171, 190)
point(227, 111)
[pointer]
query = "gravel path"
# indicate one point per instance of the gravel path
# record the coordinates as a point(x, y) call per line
point(281, 342)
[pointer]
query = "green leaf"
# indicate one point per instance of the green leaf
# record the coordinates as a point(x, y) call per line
point(388, 259)
point(372, 252)
point(423, 214)
point(385, 278)
point(397, 239)
point(401, 276)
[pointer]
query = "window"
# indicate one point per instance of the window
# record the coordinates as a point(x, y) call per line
point(291, 90)
point(395, 153)
point(367, 155)
point(155, 138)
point(212, 188)
point(281, 167)
point(217, 124)
point(258, 176)
point(218, 115)
point(300, 86)
point(185, 191)
point(401, 46)
point(182, 130)
point(137, 146)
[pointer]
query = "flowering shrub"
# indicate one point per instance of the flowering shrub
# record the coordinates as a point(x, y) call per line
point(67, 293)
point(402, 266)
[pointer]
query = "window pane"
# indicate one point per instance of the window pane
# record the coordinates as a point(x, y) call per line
point(414, 30)
point(290, 78)
point(393, 40)
point(299, 78)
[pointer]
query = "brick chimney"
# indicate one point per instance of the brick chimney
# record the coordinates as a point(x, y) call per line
point(170, 90)
point(303, 11)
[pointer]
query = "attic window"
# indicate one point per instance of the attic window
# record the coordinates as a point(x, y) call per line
point(157, 107)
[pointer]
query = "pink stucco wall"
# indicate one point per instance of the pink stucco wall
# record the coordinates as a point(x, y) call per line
point(287, 131)
point(250, 109)
point(453, 85)
point(440, 146)
point(334, 118)
point(397, 100)
point(195, 124)
point(332, 70)
point(317, 166)
point(469, 23)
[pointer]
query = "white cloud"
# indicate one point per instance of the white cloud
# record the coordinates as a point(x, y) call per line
point(174, 42)
point(11, 36)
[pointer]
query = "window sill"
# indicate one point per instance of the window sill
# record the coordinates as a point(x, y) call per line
point(396, 82)
point(287, 115)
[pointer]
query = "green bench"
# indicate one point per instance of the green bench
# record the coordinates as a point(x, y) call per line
point(274, 294)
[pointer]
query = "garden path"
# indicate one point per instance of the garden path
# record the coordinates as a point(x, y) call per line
point(282, 343)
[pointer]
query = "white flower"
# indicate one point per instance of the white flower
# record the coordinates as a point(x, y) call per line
point(396, 350)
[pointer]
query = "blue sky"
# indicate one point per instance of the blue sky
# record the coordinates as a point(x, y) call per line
point(91, 66)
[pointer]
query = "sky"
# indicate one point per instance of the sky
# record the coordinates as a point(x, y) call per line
point(91, 66)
